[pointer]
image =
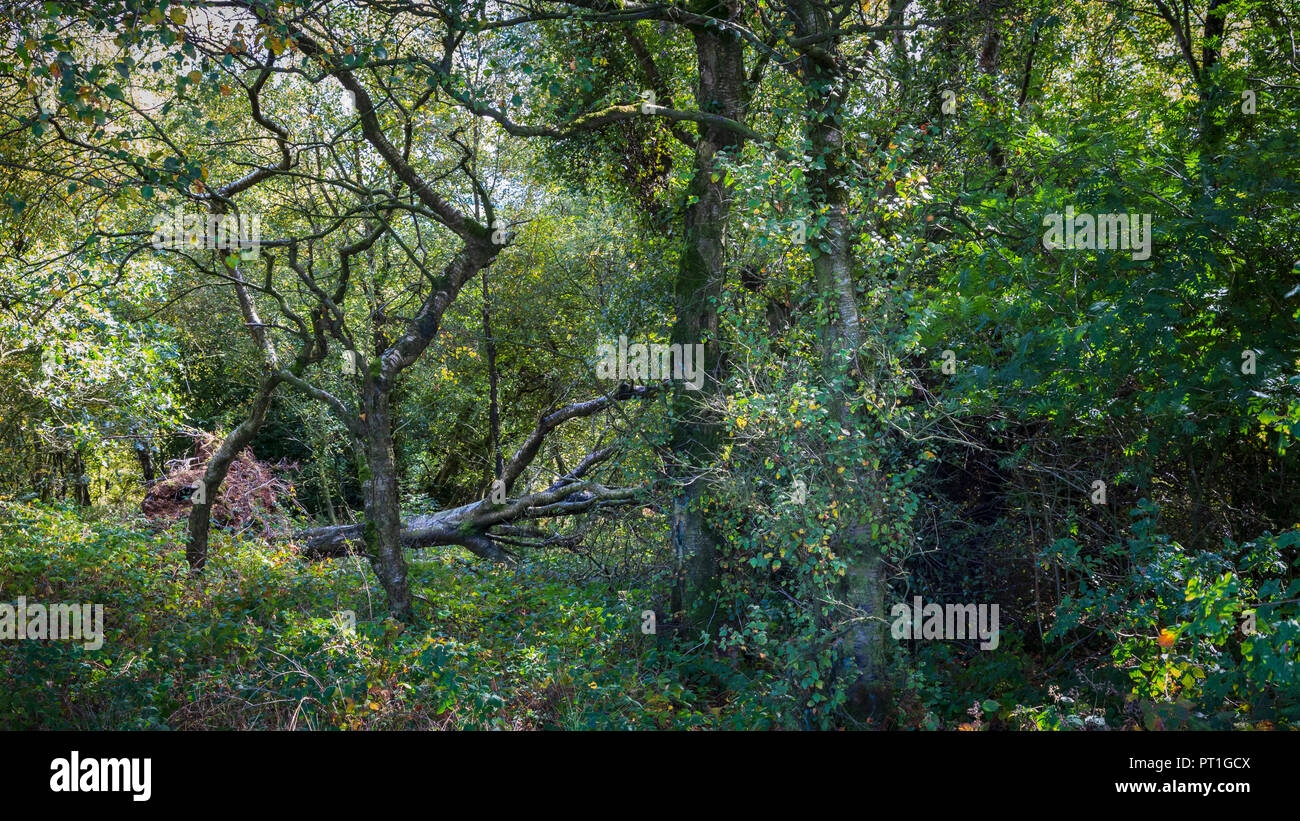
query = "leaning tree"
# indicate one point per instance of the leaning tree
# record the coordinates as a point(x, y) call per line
point(369, 241)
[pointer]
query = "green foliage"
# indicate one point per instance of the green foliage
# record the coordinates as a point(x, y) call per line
point(844, 466)
point(263, 643)
point(1212, 631)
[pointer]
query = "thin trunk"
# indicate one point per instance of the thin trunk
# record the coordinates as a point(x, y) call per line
point(990, 51)
point(44, 476)
point(494, 408)
point(200, 522)
point(325, 489)
point(80, 481)
point(143, 455)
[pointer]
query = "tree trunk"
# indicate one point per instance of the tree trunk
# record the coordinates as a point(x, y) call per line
point(701, 275)
point(196, 551)
point(147, 472)
point(80, 480)
point(383, 528)
point(200, 522)
point(825, 89)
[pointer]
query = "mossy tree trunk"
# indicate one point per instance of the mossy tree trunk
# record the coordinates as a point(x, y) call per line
point(701, 275)
point(825, 85)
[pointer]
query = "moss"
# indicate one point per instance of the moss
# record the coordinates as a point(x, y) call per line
point(478, 229)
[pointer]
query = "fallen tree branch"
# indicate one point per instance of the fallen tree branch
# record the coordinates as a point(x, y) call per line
point(470, 526)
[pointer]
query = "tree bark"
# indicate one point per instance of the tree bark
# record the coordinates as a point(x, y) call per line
point(701, 276)
point(383, 528)
point(81, 481)
point(475, 526)
point(142, 454)
point(200, 521)
point(865, 588)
